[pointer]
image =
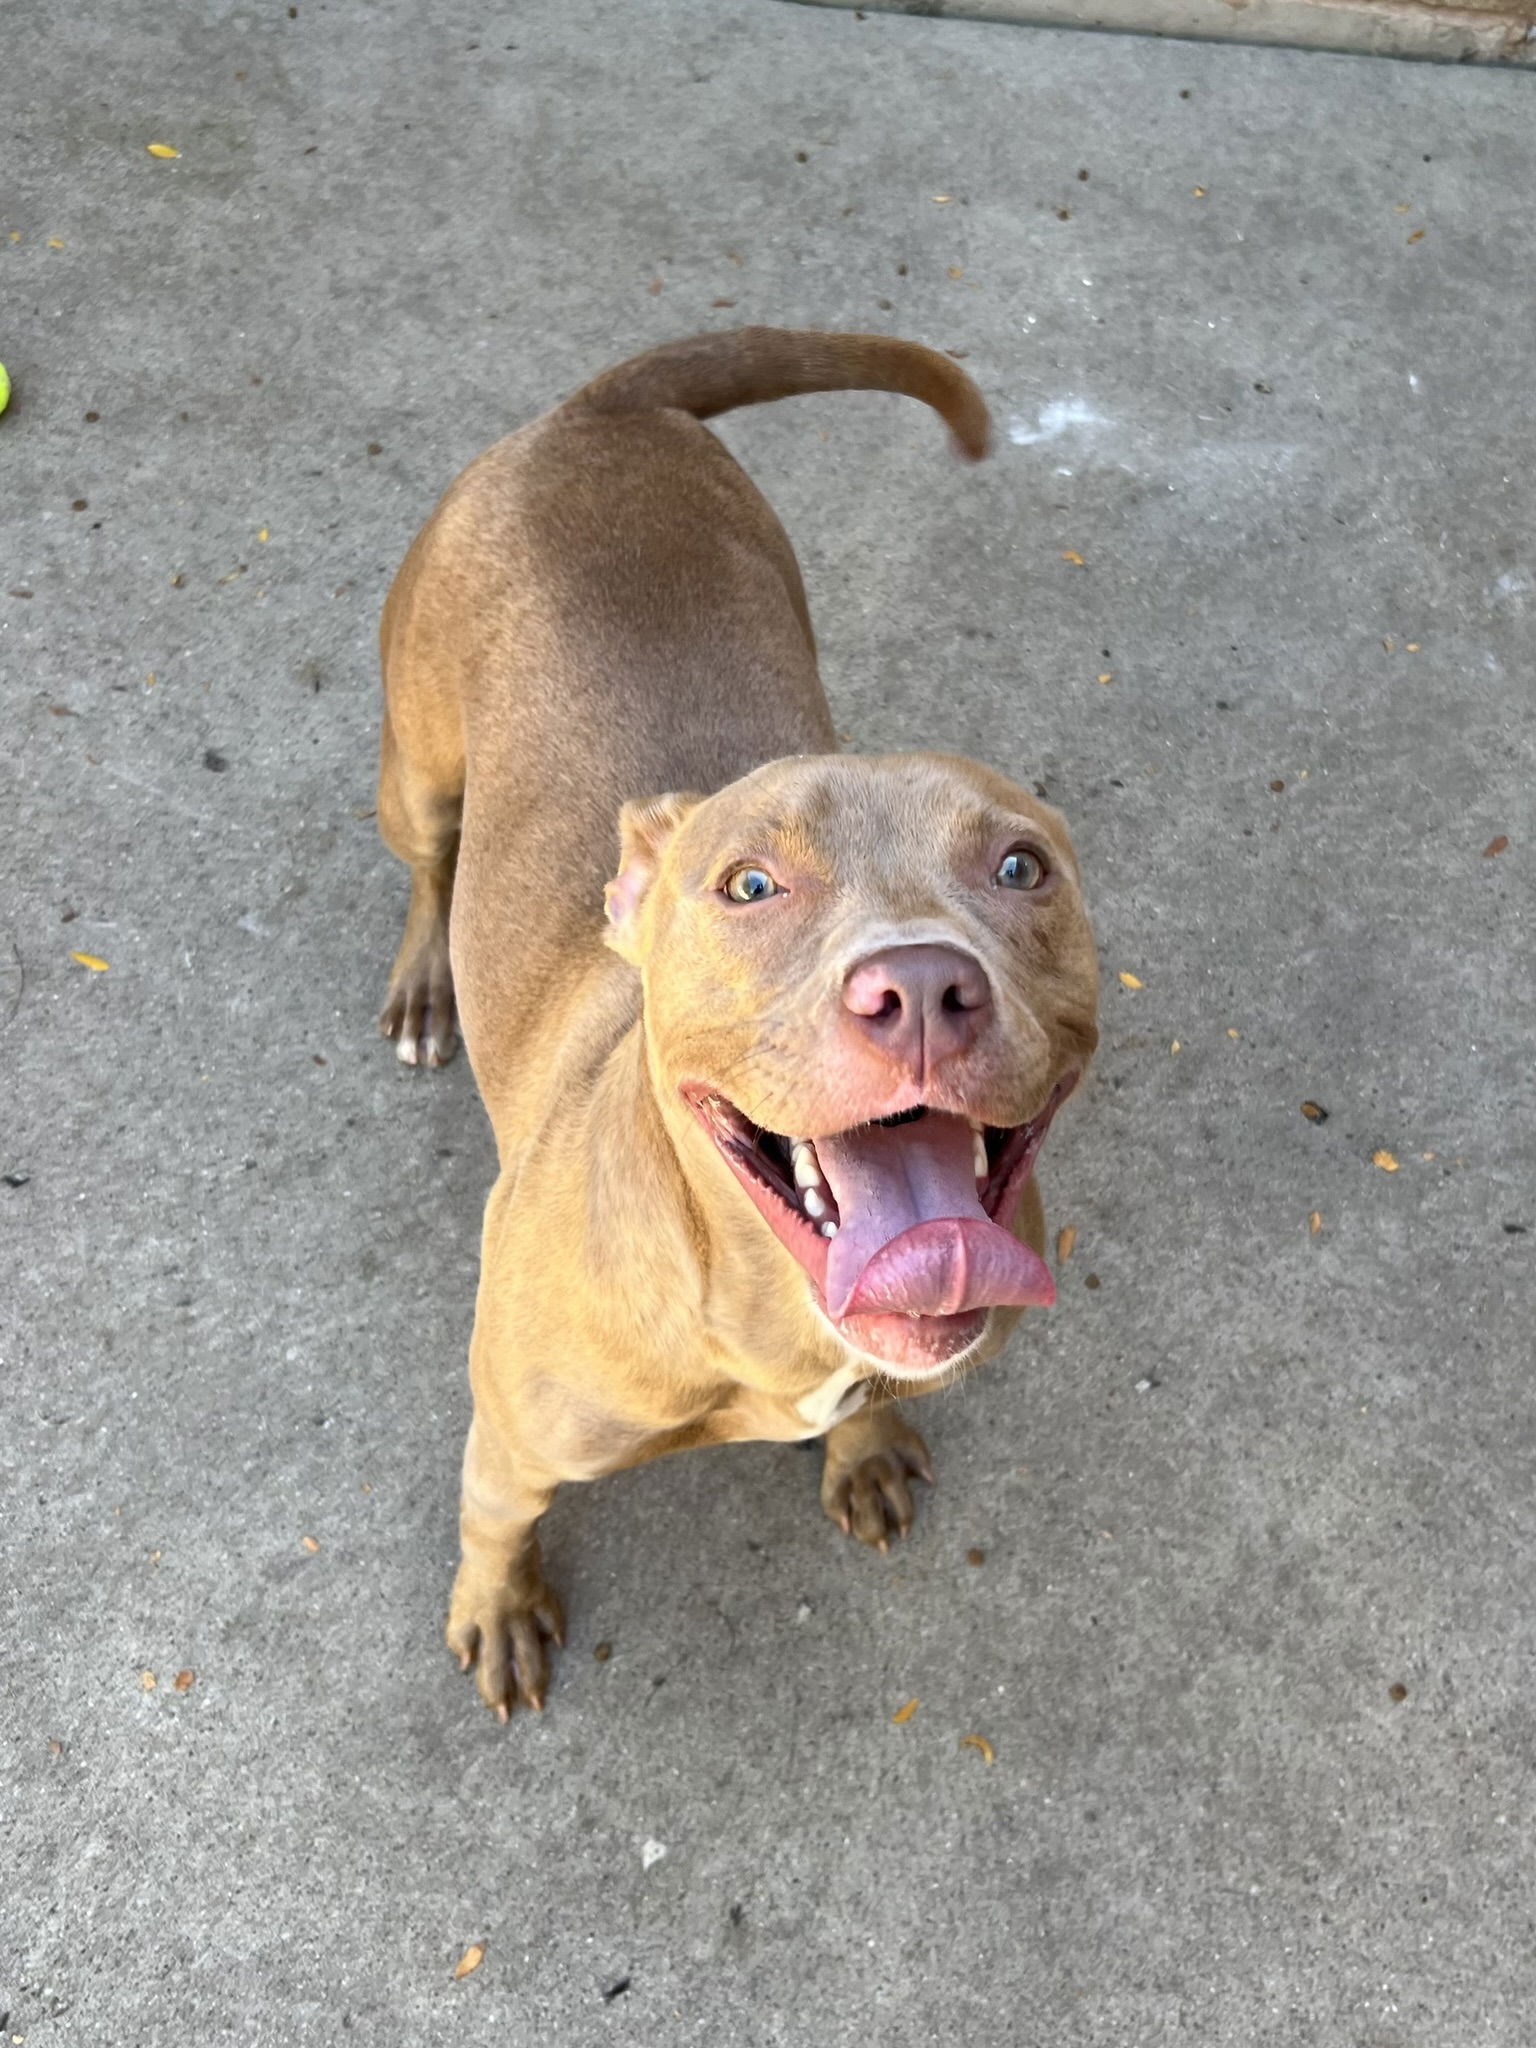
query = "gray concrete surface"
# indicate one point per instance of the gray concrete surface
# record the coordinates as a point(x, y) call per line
point(1239, 1490)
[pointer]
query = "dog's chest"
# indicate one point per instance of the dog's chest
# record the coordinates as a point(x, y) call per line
point(839, 1396)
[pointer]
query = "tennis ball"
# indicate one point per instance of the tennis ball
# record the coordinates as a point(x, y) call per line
point(5, 387)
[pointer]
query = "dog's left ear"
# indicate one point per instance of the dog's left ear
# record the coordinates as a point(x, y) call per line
point(644, 829)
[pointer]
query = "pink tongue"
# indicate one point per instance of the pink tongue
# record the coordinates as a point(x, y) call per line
point(912, 1237)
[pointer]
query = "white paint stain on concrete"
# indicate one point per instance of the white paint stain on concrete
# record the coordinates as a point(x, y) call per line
point(1056, 419)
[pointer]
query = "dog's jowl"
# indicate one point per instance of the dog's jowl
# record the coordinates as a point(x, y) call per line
point(770, 1037)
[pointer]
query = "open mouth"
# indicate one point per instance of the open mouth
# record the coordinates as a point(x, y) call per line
point(902, 1225)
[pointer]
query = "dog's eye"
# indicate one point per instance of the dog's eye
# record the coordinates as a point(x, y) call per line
point(1020, 869)
point(750, 885)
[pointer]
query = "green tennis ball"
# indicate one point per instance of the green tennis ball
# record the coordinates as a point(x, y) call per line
point(5, 387)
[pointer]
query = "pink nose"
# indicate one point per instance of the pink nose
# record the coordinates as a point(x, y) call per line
point(919, 1004)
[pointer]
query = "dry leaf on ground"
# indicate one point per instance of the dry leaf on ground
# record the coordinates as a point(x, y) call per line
point(1128, 980)
point(1066, 1238)
point(1384, 1160)
point(89, 960)
point(471, 1959)
point(1496, 846)
point(905, 1713)
point(979, 1742)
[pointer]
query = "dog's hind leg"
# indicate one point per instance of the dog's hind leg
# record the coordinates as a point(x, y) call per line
point(421, 795)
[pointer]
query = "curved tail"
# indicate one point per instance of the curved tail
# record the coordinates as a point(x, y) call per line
point(714, 373)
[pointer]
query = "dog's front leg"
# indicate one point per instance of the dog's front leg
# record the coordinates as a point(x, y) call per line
point(502, 1611)
point(870, 1459)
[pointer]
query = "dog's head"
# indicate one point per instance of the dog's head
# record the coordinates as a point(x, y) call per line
point(869, 984)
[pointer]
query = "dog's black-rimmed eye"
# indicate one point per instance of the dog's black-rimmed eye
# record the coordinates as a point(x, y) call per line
point(1020, 868)
point(749, 885)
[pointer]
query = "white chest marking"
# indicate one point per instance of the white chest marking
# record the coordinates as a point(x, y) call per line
point(834, 1400)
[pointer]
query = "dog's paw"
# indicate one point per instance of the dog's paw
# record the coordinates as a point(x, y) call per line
point(865, 1481)
point(420, 1014)
point(502, 1633)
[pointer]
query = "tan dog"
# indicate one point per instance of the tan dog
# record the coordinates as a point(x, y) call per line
point(766, 1135)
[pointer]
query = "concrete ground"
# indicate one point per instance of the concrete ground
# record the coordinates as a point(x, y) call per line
point(1253, 1640)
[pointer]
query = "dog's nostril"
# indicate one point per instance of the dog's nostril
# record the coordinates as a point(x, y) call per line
point(890, 1004)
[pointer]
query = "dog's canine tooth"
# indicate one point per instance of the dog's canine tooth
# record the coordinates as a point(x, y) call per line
point(807, 1168)
point(829, 1228)
point(814, 1204)
point(980, 1156)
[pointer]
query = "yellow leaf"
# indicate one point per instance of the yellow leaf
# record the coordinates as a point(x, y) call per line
point(1065, 1240)
point(89, 960)
point(1232, 1033)
point(309, 1544)
point(55, 245)
point(148, 1680)
point(471, 1959)
point(1108, 676)
point(1315, 1221)
point(1129, 980)
point(1412, 646)
point(1418, 235)
point(979, 1742)
point(942, 198)
point(955, 270)
point(904, 1714)
point(1175, 1047)
point(162, 149)
point(1385, 1161)
point(1199, 191)
point(1071, 555)
point(263, 535)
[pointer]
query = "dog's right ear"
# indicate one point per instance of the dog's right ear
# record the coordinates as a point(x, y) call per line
point(644, 829)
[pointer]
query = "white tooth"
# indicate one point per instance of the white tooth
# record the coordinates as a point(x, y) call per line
point(807, 1171)
point(829, 1229)
point(975, 1124)
point(980, 1155)
point(814, 1204)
